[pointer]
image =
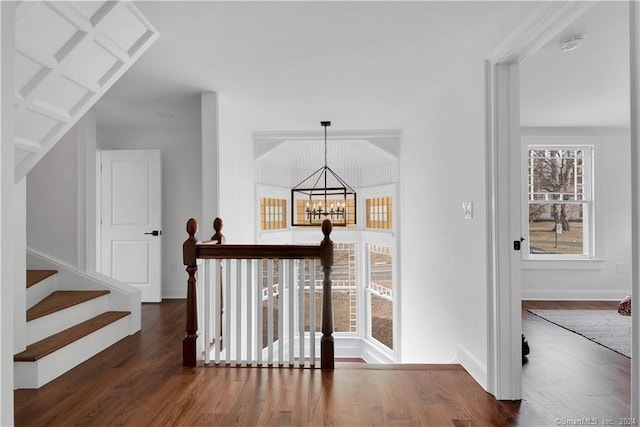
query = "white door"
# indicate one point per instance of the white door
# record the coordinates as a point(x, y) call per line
point(131, 233)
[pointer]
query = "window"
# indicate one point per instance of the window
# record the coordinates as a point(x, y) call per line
point(379, 213)
point(273, 214)
point(343, 289)
point(560, 201)
point(307, 213)
point(380, 294)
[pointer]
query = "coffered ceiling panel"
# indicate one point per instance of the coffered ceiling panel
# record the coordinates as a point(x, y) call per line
point(46, 29)
point(87, 9)
point(68, 54)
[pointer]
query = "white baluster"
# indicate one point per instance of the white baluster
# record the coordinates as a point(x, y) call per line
point(238, 293)
point(270, 312)
point(259, 286)
point(217, 272)
point(249, 310)
point(281, 339)
point(301, 304)
point(227, 312)
point(206, 294)
point(291, 312)
point(312, 314)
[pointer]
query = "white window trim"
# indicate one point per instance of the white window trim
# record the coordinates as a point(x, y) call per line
point(573, 143)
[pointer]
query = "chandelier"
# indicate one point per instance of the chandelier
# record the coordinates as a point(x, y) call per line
point(323, 195)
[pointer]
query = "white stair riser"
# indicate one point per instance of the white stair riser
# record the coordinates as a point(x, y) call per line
point(38, 373)
point(41, 290)
point(53, 323)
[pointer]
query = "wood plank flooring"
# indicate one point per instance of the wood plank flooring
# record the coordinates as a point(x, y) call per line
point(568, 377)
point(140, 381)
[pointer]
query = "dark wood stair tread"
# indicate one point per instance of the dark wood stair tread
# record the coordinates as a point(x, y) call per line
point(36, 276)
point(60, 300)
point(55, 342)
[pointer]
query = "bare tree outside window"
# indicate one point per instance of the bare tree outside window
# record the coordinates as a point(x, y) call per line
point(559, 199)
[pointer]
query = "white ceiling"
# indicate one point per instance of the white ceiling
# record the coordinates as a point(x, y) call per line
point(285, 66)
point(288, 65)
point(585, 87)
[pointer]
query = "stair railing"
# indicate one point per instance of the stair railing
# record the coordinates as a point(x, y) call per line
point(239, 288)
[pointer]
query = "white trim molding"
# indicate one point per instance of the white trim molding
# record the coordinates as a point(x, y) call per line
point(545, 21)
point(634, 60)
point(504, 295)
point(574, 294)
point(8, 270)
point(472, 365)
point(387, 140)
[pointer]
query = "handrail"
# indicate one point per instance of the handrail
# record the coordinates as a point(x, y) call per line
point(214, 249)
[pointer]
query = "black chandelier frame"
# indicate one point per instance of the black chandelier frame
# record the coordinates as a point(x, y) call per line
point(321, 200)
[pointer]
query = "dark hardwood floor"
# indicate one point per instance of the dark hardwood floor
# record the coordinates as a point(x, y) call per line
point(568, 377)
point(140, 381)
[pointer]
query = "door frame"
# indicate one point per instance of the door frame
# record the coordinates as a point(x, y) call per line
point(634, 76)
point(502, 127)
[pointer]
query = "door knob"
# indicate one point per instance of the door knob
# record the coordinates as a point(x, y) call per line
point(155, 233)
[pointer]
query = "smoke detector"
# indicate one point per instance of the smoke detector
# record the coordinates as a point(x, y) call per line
point(571, 43)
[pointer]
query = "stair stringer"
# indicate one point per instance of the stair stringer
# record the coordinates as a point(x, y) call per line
point(121, 298)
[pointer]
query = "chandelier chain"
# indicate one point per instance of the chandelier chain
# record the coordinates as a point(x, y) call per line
point(325, 146)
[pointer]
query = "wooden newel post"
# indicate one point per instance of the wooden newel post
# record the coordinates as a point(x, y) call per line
point(190, 260)
point(326, 260)
point(217, 226)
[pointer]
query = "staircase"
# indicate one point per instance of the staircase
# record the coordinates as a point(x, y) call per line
point(67, 55)
point(64, 328)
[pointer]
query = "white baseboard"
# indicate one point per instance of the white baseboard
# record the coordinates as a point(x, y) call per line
point(575, 294)
point(473, 366)
point(373, 354)
point(174, 293)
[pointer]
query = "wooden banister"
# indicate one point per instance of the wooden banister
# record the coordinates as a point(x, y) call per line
point(326, 260)
point(217, 226)
point(213, 249)
point(189, 259)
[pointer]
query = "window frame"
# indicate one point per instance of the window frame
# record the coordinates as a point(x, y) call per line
point(370, 292)
point(273, 214)
point(587, 200)
point(378, 213)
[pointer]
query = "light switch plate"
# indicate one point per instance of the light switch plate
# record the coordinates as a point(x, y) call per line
point(467, 210)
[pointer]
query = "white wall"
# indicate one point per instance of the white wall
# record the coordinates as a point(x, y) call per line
point(181, 192)
point(210, 176)
point(236, 175)
point(441, 257)
point(597, 279)
point(443, 262)
point(271, 191)
point(8, 285)
point(20, 265)
point(52, 200)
